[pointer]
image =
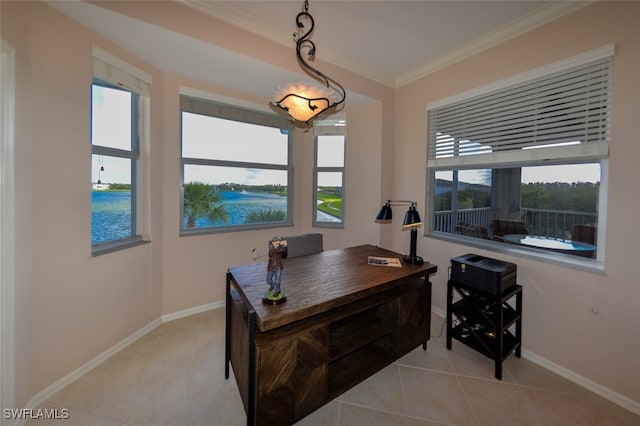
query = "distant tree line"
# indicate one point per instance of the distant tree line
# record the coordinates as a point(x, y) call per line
point(468, 198)
point(228, 186)
point(120, 186)
point(577, 196)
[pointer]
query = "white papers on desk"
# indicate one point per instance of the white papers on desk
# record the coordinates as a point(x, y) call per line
point(393, 262)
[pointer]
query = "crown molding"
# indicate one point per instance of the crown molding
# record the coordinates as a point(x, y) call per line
point(235, 16)
point(501, 34)
point(240, 18)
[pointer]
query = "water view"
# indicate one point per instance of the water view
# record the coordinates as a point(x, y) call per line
point(239, 204)
point(111, 212)
point(110, 215)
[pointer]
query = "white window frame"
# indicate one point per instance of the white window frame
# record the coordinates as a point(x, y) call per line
point(202, 103)
point(589, 152)
point(328, 128)
point(111, 71)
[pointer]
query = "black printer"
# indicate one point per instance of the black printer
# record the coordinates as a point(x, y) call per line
point(483, 273)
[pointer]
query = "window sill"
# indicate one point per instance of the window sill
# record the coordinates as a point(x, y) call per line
point(188, 232)
point(110, 247)
point(566, 260)
point(334, 225)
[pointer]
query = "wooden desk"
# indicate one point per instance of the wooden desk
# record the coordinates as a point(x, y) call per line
point(343, 321)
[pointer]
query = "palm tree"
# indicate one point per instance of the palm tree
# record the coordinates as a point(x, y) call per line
point(200, 200)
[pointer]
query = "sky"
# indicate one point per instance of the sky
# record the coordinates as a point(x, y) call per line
point(110, 127)
point(204, 138)
point(569, 173)
point(563, 173)
point(219, 139)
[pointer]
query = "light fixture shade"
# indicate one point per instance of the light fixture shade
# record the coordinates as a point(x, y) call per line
point(303, 101)
point(411, 218)
point(385, 214)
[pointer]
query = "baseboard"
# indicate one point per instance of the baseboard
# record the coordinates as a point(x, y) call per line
point(52, 389)
point(613, 396)
point(192, 311)
point(438, 311)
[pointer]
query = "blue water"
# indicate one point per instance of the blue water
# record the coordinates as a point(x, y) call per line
point(239, 204)
point(110, 215)
point(111, 212)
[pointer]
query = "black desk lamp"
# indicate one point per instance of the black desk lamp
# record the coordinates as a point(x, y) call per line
point(411, 221)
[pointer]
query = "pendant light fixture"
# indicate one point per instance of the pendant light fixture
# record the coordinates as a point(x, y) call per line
point(305, 101)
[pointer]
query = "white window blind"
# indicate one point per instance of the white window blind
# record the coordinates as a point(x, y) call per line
point(561, 115)
point(113, 70)
point(230, 112)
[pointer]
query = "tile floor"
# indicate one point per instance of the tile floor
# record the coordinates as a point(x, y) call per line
point(175, 376)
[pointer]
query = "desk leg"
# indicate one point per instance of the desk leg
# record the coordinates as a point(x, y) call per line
point(251, 391)
point(519, 323)
point(428, 303)
point(227, 328)
point(449, 313)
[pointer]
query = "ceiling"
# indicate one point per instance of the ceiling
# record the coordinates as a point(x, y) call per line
point(392, 42)
point(383, 40)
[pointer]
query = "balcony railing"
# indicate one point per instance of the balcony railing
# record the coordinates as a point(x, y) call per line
point(555, 223)
point(446, 220)
point(548, 223)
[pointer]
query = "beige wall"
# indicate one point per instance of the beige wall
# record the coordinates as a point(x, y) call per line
point(194, 267)
point(70, 306)
point(557, 324)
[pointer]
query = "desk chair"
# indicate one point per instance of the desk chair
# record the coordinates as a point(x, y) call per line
point(303, 244)
point(502, 227)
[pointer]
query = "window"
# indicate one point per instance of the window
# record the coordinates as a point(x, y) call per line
point(329, 173)
point(523, 165)
point(236, 168)
point(116, 103)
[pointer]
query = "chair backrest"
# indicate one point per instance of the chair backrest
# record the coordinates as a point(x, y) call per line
point(471, 230)
point(584, 234)
point(304, 244)
point(501, 227)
